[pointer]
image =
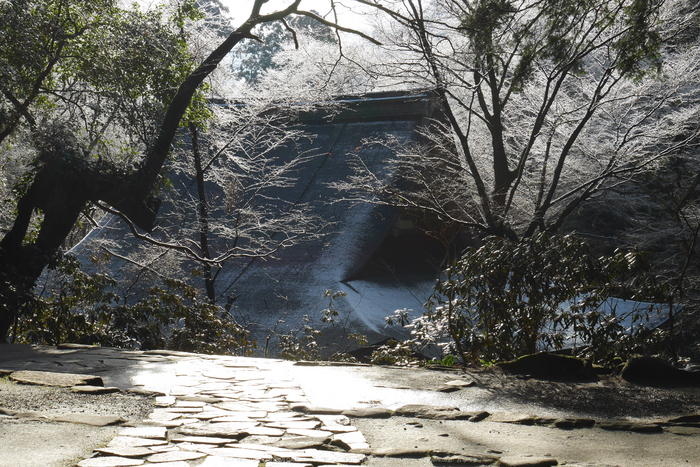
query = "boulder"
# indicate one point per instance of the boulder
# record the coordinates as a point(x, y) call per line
point(654, 370)
point(550, 366)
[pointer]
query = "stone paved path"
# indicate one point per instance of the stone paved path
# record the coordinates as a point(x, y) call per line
point(248, 412)
point(232, 412)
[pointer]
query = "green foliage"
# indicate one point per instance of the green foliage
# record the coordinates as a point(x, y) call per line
point(82, 308)
point(448, 360)
point(102, 64)
point(508, 299)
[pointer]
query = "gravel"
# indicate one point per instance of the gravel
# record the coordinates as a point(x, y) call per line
point(61, 401)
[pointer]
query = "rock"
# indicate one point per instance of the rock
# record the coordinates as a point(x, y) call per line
point(202, 440)
point(23, 415)
point(148, 432)
point(92, 420)
point(693, 418)
point(459, 459)
point(527, 462)
point(316, 410)
point(302, 442)
point(683, 430)
point(574, 423)
point(294, 425)
point(129, 441)
point(436, 412)
point(125, 451)
point(686, 421)
point(456, 385)
point(316, 456)
point(47, 378)
point(624, 425)
point(551, 366)
point(373, 412)
point(95, 390)
point(517, 418)
point(175, 456)
point(69, 346)
point(219, 430)
point(412, 453)
point(653, 370)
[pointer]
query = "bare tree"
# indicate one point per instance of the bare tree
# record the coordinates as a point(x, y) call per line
point(547, 105)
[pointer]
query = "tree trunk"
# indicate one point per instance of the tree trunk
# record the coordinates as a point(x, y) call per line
point(203, 214)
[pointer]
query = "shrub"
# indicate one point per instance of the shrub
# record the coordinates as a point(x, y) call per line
point(508, 299)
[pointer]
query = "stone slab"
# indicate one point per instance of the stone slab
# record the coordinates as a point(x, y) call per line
point(148, 432)
point(95, 390)
point(125, 451)
point(110, 461)
point(175, 456)
point(47, 378)
point(122, 441)
point(87, 419)
point(217, 461)
point(527, 462)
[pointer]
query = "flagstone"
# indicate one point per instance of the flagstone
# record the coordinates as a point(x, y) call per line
point(284, 416)
point(197, 447)
point(239, 365)
point(217, 461)
point(233, 406)
point(351, 437)
point(333, 420)
point(295, 399)
point(150, 432)
point(249, 375)
point(223, 430)
point(164, 448)
point(228, 375)
point(87, 419)
point(265, 431)
point(94, 390)
point(339, 428)
point(125, 451)
point(109, 461)
point(201, 440)
point(180, 391)
point(135, 442)
point(200, 398)
point(301, 443)
point(328, 457)
point(163, 416)
point(173, 456)
point(167, 423)
point(240, 453)
point(48, 378)
point(294, 425)
point(165, 401)
point(189, 403)
point(311, 433)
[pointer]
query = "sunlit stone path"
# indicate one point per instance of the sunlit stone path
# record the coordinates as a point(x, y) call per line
point(231, 412)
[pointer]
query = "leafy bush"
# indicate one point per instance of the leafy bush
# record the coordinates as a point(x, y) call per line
point(81, 308)
point(508, 299)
